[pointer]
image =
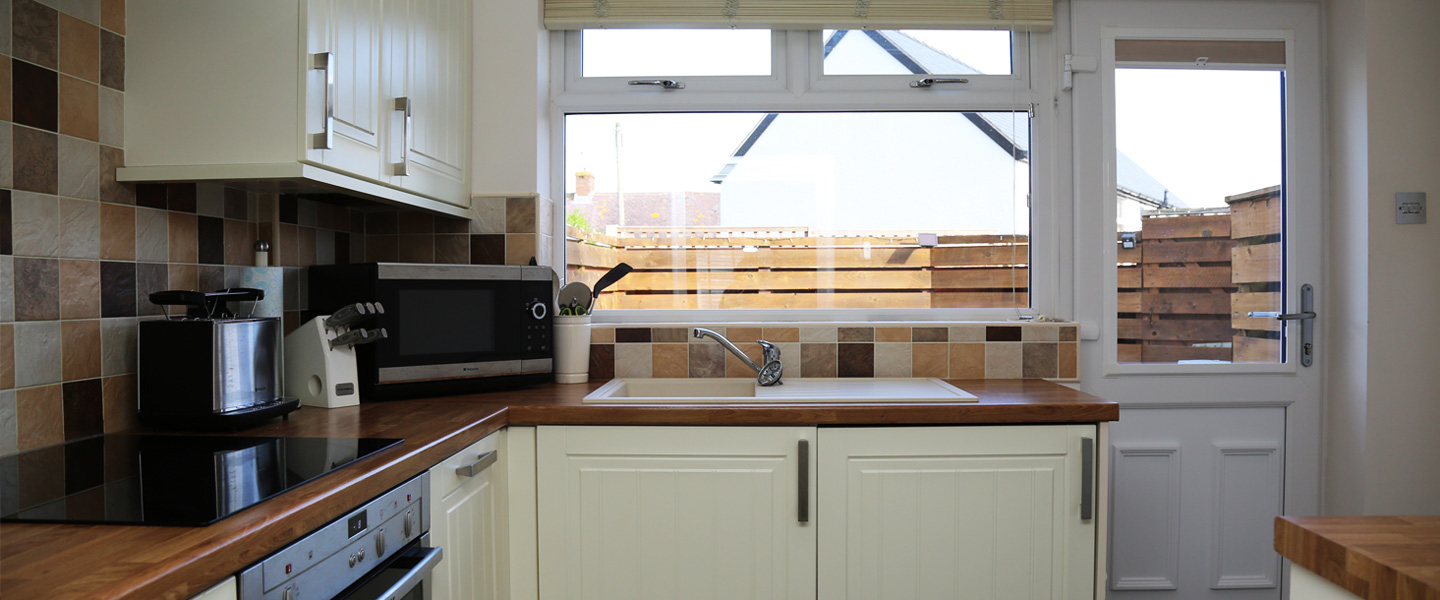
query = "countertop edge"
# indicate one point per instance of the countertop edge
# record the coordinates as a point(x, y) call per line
point(1342, 563)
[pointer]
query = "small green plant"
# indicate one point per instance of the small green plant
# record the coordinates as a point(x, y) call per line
point(578, 221)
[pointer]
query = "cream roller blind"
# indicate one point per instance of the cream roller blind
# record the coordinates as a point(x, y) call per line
point(1031, 15)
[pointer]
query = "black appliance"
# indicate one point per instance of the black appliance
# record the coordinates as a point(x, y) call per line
point(452, 328)
point(209, 367)
point(182, 480)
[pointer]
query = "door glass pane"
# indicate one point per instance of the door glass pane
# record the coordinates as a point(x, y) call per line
point(907, 52)
point(1199, 169)
point(801, 210)
point(674, 52)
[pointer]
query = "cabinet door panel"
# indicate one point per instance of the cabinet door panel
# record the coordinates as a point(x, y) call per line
point(468, 520)
point(351, 31)
point(965, 512)
point(658, 512)
point(439, 87)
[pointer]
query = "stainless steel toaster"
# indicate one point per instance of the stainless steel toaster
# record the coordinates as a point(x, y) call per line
point(210, 368)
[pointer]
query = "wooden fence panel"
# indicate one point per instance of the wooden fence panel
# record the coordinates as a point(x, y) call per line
point(1259, 263)
point(1187, 226)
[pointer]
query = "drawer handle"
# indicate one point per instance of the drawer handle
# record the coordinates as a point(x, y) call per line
point(476, 467)
point(1087, 479)
point(325, 61)
point(803, 510)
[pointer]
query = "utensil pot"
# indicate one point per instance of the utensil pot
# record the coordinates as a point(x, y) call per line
point(572, 349)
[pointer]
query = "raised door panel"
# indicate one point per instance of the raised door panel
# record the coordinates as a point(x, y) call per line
point(344, 95)
point(671, 512)
point(956, 512)
point(469, 522)
point(435, 141)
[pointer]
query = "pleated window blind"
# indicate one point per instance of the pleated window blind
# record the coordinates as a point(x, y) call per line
point(1024, 15)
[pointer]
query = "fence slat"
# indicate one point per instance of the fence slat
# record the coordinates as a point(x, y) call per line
point(1129, 277)
point(774, 280)
point(1251, 218)
point(976, 256)
point(1177, 353)
point(1187, 330)
point(1243, 303)
point(980, 278)
point(1188, 276)
point(774, 300)
point(1255, 264)
point(1185, 303)
point(778, 258)
point(1129, 302)
point(1248, 349)
point(979, 299)
point(1188, 226)
point(1187, 251)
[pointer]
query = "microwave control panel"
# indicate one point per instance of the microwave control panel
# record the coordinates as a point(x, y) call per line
point(537, 326)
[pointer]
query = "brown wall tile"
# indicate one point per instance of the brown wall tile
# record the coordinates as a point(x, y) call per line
point(1069, 367)
point(734, 367)
point(930, 360)
point(80, 349)
point(209, 278)
point(602, 362)
point(287, 250)
point(209, 240)
point(743, 334)
point(856, 360)
point(7, 245)
point(857, 334)
point(37, 289)
point(451, 249)
point(520, 215)
point(930, 334)
point(382, 248)
point(117, 232)
point(415, 222)
point(670, 334)
point(112, 15)
point(707, 360)
point(112, 158)
point(79, 289)
point(79, 108)
point(39, 416)
point(305, 250)
point(1041, 360)
point(112, 60)
point(5, 90)
point(117, 289)
point(519, 248)
point(35, 228)
point(416, 248)
point(670, 360)
point(35, 33)
point(487, 249)
point(150, 278)
point(1069, 333)
point(79, 48)
point(818, 360)
point(967, 361)
point(781, 334)
point(183, 277)
point(892, 334)
point(7, 356)
point(36, 167)
point(385, 222)
point(182, 197)
point(184, 238)
point(602, 335)
point(631, 335)
point(239, 242)
point(1002, 333)
point(84, 409)
point(152, 195)
point(121, 410)
point(38, 104)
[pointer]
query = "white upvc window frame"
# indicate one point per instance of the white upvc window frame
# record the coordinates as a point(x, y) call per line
point(796, 84)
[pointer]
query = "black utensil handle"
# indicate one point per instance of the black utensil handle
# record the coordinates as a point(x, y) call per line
point(177, 298)
point(237, 294)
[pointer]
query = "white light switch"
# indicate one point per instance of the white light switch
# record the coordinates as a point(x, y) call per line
point(1409, 208)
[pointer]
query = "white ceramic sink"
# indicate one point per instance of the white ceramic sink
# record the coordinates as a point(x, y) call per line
point(746, 391)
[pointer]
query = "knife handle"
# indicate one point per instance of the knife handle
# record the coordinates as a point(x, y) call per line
point(348, 314)
point(371, 335)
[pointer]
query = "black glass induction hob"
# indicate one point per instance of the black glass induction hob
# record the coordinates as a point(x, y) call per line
point(179, 480)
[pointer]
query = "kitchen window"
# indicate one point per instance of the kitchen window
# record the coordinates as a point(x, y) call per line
point(820, 175)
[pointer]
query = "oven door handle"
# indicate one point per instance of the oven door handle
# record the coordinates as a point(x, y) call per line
point(429, 557)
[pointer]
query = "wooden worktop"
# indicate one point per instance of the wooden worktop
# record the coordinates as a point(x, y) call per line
point(1376, 558)
point(110, 561)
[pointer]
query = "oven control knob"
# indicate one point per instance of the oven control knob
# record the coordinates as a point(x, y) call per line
point(290, 593)
point(538, 310)
point(380, 544)
point(409, 523)
point(362, 556)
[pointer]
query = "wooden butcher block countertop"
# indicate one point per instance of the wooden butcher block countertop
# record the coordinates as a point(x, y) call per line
point(1376, 558)
point(110, 561)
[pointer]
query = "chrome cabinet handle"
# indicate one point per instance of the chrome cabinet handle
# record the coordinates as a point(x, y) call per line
point(476, 467)
point(669, 84)
point(1087, 479)
point(325, 61)
point(803, 512)
point(403, 167)
point(931, 81)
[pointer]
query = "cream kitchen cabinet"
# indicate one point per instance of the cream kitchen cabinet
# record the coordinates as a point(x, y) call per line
point(889, 512)
point(366, 97)
point(469, 519)
point(675, 512)
point(957, 512)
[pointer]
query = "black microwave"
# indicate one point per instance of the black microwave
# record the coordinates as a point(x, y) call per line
point(452, 329)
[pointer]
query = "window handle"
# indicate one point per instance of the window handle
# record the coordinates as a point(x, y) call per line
point(931, 81)
point(669, 84)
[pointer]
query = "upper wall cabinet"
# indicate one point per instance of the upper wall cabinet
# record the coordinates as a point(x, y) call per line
point(365, 97)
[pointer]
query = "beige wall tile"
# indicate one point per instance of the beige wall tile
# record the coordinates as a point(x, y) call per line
point(1004, 360)
point(1040, 332)
point(37, 356)
point(35, 221)
point(39, 416)
point(79, 48)
point(818, 334)
point(633, 360)
point(781, 334)
point(80, 346)
point(967, 361)
point(79, 228)
point(152, 235)
point(892, 359)
point(930, 360)
point(487, 215)
point(183, 238)
point(79, 289)
point(602, 335)
point(79, 168)
point(967, 333)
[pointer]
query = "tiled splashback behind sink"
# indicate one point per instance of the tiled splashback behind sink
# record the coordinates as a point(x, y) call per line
point(954, 351)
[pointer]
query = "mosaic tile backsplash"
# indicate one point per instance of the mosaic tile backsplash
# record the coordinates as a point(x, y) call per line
point(960, 351)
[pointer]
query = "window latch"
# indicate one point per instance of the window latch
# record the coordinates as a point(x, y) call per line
point(931, 81)
point(669, 84)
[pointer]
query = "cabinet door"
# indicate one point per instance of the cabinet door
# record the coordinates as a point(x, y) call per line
point(350, 31)
point(468, 520)
point(427, 69)
point(954, 512)
point(674, 512)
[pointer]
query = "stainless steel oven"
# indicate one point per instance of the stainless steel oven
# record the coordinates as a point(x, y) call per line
point(451, 328)
point(377, 551)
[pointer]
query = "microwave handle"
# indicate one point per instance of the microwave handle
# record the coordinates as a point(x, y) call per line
point(429, 558)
